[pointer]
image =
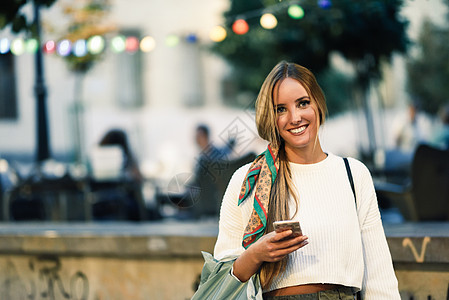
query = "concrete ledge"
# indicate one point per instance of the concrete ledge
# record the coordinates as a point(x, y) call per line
point(159, 239)
point(408, 242)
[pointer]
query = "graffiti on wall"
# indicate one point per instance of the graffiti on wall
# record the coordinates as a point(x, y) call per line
point(419, 257)
point(42, 279)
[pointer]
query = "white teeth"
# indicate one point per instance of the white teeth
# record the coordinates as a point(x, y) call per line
point(298, 130)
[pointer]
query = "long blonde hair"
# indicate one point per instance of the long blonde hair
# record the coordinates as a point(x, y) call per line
point(266, 122)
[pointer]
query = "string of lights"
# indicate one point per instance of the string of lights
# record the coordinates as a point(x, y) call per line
point(130, 44)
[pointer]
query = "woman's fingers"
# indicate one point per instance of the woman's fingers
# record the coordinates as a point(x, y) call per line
point(278, 236)
point(278, 249)
point(276, 245)
point(281, 237)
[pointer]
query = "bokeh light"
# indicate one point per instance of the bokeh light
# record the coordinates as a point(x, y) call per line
point(191, 38)
point(64, 48)
point(147, 44)
point(295, 11)
point(80, 48)
point(172, 40)
point(18, 46)
point(4, 46)
point(132, 44)
point(50, 47)
point(95, 44)
point(118, 44)
point(218, 34)
point(268, 21)
point(31, 45)
point(324, 4)
point(240, 26)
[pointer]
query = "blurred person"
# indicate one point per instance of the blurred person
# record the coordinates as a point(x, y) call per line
point(210, 164)
point(409, 130)
point(118, 137)
point(208, 151)
point(344, 249)
point(207, 148)
point(109, 184)
point(441, 137)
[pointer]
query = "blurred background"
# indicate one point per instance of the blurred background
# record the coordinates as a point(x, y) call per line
point(114, 110)
point(71, 71)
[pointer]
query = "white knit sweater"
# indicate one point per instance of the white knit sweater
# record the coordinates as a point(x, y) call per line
point(343, 248)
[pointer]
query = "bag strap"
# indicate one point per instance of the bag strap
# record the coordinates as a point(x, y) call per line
point(351, 180)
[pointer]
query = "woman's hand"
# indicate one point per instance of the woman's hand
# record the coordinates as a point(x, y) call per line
point(271, 247)
point(274, 246)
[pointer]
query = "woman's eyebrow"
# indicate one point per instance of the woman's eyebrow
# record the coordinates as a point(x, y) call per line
point(302, 98)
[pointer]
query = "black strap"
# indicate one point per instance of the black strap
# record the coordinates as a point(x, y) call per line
point(351, 181)
point(358, 296)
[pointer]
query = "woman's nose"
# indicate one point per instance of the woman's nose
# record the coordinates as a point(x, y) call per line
point(295, 116)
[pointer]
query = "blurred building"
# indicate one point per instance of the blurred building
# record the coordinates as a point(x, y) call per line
point(158, 96)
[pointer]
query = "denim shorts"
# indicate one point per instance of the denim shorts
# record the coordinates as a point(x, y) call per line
point(340, 293)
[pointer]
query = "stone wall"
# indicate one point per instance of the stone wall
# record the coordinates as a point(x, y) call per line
point(163, 260)
point(99, 278)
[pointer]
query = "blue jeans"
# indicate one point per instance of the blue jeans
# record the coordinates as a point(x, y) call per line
point(341, 293)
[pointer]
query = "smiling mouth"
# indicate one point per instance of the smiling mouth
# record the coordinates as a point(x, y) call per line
point(298, 130)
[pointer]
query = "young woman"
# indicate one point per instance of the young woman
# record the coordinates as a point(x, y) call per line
point(343, 249)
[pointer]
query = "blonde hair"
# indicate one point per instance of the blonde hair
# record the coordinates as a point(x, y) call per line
point(266, 123)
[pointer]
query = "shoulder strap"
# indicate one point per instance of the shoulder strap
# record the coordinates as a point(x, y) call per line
point(351, 180)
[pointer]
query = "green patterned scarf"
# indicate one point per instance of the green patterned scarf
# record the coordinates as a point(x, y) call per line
point(261, 176)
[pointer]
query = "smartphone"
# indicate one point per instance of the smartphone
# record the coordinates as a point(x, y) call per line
point(294, 226)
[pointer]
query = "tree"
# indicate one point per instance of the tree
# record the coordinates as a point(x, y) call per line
point(428, 72)
point(366, 33)
point(10, 14)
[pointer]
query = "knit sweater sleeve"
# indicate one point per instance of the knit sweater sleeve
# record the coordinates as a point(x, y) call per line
point(379, 280)
point(231, 224)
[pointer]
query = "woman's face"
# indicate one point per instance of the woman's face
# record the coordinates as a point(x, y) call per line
point(296, 118)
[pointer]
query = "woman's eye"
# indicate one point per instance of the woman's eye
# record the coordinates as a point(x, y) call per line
point(280, 109)
point(304, 103)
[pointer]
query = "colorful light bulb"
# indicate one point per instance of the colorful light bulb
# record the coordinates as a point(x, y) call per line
point(295, 11)
point(240, 27)
point(172, 40)
point(191, 38)
point(64, 47)
point(218, 34)
point(132, 44)
point(18, 46)
point(50, 47)
point(79, 48)
point(147, 44)
point(95, 44)
point(268, 21)
point(31, 45)
point(118, 44)
point(324, 4)
point(4, 46)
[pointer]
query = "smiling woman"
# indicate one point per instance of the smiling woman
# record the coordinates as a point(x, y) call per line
point(343, 249)
point(297, 121)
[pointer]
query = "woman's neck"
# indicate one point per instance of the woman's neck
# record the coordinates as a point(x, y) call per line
point(305, 156)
